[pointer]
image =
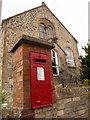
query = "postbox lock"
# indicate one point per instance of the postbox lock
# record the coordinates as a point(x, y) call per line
point(38, 102)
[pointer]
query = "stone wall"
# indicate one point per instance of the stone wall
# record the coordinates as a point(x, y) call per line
point(73, 103)
point(70, 103)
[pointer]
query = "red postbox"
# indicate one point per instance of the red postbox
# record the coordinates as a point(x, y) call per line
point(41, 93)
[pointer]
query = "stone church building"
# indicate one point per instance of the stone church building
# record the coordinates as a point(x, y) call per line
point(36, 39)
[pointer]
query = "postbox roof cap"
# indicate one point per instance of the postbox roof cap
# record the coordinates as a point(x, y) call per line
point(33, 41)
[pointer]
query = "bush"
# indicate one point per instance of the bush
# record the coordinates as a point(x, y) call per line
point(3, 99)
point(86, 82)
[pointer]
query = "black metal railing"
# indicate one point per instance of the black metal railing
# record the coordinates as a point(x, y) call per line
point(68, 79)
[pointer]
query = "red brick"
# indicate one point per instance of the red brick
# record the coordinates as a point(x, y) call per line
point(26, 68)
point(27, 105)
point(26, 62)
point(20, 68)
point(26, 83)
point(26, 53)
point(17, 105)
point(27, 100)
point(18, 84)
point(19, 63)
point(19, 95)
point(26, 77)
point(18, 100)
point(26, 72)
point(27, 89)
point(27, 94)
point(25, 48)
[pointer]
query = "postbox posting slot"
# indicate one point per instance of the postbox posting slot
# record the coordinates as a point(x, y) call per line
point(40, 60)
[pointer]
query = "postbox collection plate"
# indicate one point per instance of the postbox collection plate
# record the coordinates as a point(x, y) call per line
point(41, 93)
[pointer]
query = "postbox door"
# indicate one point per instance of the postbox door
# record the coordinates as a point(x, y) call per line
point(41, 94)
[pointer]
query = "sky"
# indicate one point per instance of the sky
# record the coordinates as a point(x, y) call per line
point(0, 8)
point(88, 21)
point(73, 14)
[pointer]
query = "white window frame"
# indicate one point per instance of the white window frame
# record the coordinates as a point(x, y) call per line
point(57, 62)
point(43, 34)
point(50, 31)
point(69, 57)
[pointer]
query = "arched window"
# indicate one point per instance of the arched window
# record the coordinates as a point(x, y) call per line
point(42, 31)
point(69, 57)
point(55, 62)
point(50, 32)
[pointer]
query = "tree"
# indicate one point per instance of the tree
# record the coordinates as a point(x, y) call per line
point(85, 63)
